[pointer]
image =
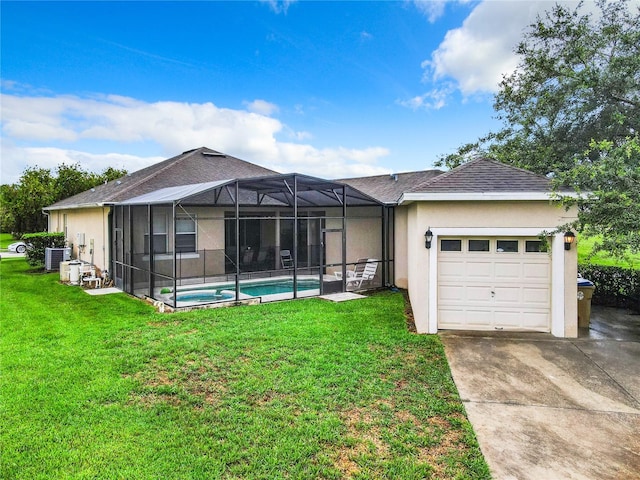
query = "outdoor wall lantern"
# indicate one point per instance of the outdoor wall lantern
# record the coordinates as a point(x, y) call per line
point(428, 236)
point(569, 238)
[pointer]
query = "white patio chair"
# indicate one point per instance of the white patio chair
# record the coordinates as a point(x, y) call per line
point(363, 271)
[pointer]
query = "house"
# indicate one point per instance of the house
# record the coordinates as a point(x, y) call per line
point(473, 246)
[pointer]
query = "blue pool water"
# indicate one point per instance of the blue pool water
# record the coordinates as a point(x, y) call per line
point(204, 296)
point(254, 289)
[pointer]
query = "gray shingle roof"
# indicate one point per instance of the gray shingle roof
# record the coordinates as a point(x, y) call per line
point(389, 188)
point(190, 167)
point(485, 175)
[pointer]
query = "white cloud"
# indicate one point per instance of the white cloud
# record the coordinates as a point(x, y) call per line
point(365, 36)
point(432, 100)
point(473, 58)
point(477, 54)
point(262, 107)
point(48, 130)
point(432, 9)
point(279, 6)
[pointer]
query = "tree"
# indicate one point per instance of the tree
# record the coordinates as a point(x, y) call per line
point(22, 203)
point(571, 110)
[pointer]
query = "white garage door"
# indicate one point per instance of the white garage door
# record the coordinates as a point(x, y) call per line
point(494, 284)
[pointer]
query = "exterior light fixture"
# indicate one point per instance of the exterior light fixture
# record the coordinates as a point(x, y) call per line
point(569, 238)
point(428, 236)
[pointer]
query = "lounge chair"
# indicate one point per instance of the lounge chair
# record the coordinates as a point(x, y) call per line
point(285, 259)
point(363, 271)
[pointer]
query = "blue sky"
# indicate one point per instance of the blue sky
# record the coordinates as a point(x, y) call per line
point(332, 89)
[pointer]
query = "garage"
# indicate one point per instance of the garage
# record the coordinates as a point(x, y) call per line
point(494, 283)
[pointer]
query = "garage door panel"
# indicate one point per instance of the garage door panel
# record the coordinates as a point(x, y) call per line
point(477, 318)
point(479, 270)
point(508, 270)
point(536, 271)
point(507, 319)
point(449, 293)
point(537, 297)
point(478, 294)
point(506, 295)
point(451, 318)
point(538, 321)
point(451, 270)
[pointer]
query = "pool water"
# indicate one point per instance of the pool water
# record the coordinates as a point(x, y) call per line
point(204, 296)
point(272, 288)
point(254, 289)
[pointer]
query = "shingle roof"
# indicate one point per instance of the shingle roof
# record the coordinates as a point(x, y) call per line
point(389, 188)
point(485, 175)
point(190, 167)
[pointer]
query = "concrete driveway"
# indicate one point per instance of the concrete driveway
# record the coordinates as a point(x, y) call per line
point(549, 408)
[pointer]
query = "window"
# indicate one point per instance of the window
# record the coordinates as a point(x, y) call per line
point(185, 233)
point(478, 245)
point(450, 245)
point(160, 234)
point(534, 246)
point(507, 246)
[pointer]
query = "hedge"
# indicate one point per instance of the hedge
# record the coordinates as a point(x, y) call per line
point(37, 242)
point(615, 286)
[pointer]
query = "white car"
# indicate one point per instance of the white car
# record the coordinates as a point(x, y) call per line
point(18, 247)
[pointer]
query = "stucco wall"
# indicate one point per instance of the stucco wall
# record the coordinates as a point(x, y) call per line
point(94, 223)
point(480, 216)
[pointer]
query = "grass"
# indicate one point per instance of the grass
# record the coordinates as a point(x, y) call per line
point(5, 240)
point(104, 387)
point(585, 246)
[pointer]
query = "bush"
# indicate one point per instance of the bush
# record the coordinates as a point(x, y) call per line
point(37, 242)
point(615, 286)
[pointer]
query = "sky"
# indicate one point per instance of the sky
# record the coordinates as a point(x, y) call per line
point(331, 89)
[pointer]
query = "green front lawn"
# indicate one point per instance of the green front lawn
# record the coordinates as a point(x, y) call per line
point(104, 387)
point(585, 245)
point(5, 240)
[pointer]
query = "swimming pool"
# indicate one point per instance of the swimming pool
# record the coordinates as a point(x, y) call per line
point(204, 296)
point(251, 288)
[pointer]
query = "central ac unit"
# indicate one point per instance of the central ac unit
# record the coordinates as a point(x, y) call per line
point(53, 257)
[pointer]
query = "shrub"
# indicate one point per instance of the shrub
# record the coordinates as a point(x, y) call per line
point(37, 242)
point(615, 286)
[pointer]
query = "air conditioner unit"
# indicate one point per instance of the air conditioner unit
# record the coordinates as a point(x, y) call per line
point(53, 257)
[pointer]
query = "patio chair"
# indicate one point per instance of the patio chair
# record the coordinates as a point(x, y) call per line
point(364, 271)
point(88, 275)
point(285, 259)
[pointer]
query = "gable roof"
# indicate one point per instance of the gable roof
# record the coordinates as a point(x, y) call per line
point(389, 188)
point(483, 179)
point(190, 167)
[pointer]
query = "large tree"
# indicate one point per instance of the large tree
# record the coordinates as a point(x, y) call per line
point(571, 110)
point(21, 204)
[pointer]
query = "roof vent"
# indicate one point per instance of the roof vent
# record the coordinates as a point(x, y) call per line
point(118, 182)
point(394, 177)
point(213, 154)
point(93, 189)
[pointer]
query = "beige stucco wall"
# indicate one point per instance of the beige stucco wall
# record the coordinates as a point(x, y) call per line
point(419, 216)
point(94, 223)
